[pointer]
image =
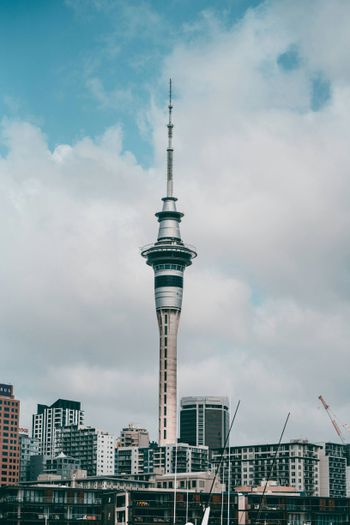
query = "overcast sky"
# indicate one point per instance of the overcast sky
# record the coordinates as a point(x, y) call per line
point(262, 115)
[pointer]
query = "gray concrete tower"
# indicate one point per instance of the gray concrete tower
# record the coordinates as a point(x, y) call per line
point(168, 257)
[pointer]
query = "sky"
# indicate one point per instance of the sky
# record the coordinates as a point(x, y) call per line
point(261, 167)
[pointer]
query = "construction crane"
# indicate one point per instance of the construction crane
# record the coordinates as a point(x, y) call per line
point(332, 418)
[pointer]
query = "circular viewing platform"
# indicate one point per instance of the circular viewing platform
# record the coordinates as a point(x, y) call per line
point(169, 251)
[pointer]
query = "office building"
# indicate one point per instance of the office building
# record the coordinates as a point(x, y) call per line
point(93, 447)
point(134, 436)
point(204, 421)
point(50, 418)
point(9, 436)
point(296, 465)
point(29, 447)
point(169, 257)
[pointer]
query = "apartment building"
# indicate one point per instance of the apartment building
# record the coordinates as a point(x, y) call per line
point(333, 470)
point(48, 419)
point(294, 464)
point(93, 447)
point(134, 436)
point(164, 459)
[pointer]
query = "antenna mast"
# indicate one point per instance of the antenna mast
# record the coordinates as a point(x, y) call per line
point(170, 149)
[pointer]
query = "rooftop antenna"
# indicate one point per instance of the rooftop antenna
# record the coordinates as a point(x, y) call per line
point(170, 149)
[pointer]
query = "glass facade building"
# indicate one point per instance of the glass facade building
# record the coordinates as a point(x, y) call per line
point(204, 421)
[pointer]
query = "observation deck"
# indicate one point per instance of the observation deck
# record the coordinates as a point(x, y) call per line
point(175, 252)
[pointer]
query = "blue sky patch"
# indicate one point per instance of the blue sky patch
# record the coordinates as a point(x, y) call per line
point(320, 92)
point(290, 59)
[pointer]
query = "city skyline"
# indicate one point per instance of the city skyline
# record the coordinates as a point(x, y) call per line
point(261, 94)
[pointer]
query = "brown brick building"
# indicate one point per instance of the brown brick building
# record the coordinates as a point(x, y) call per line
point(9, 438)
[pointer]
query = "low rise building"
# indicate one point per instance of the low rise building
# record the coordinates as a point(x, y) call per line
point(38, 504)
point(269, 488)
point(194, 481)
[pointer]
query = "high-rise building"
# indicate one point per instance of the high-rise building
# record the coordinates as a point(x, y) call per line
point(204, 421)
point(93, 447)
point(49, 418)
point(9, 438)
point(134, 436)
point(333, 470)
point(294, 464)
point(29, 447)
point(169, 257)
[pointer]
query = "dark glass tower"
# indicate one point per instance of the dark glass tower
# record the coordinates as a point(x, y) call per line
point(204, 421)
point(168, 257)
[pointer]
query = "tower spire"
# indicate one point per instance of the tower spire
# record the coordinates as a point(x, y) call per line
point(170, 149)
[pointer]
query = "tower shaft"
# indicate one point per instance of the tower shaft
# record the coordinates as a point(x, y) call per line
point(168, 322)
